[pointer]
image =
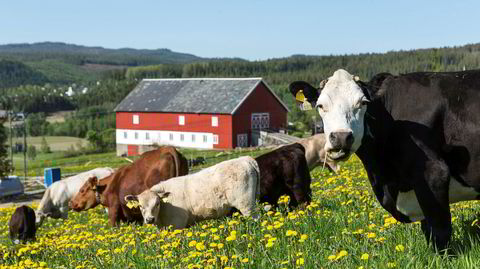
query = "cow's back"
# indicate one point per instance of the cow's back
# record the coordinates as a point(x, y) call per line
point(279, 169)
point(209, 192)
point(22, 224)
point(151, 168)
point(442, 110)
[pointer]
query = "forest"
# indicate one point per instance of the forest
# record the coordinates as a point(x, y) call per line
point(26, 85)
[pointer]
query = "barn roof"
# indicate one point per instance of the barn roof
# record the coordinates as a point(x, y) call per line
point(191, 95)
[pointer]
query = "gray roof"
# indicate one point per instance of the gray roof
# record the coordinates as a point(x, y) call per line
point(196, 95)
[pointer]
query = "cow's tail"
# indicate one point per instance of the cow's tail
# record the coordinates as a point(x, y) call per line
point(257, 171)
point(177, 162)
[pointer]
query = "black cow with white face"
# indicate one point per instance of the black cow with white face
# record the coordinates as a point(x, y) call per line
point(417, 135)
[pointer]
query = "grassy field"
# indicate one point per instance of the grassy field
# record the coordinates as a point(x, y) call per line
point(82, 163)
point(344, 227)
point(56, 143)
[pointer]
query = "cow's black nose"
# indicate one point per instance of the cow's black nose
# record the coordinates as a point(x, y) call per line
point(341, 140)
point(149, 220)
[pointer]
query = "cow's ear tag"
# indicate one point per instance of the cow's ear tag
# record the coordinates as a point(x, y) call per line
point(300, 96)
point(165, 199)
point(133, 204)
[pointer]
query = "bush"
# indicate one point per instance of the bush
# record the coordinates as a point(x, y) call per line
point(31, 152)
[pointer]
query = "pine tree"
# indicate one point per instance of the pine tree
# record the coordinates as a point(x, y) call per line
point(5, 165)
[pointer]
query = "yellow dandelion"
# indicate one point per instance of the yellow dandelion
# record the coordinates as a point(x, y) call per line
point(364, 256)
point(300, 261)
point(400, 248)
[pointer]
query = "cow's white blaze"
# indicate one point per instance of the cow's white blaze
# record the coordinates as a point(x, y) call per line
point(407, 202)
point(341, 105)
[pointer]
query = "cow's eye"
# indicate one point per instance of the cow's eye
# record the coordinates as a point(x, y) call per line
point(321, 108)
point(362, 102)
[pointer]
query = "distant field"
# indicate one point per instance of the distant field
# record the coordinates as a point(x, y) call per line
point(58, 116)
point(56, 143)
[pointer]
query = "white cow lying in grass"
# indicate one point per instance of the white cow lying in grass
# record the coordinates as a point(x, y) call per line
point(208, 194)
point(55, 200)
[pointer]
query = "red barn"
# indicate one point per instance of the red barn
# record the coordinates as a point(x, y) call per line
point(206, 113)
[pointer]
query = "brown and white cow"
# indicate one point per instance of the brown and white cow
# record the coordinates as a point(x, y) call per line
point(152, 167)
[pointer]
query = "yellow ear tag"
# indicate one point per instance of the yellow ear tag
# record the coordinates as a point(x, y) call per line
point(132, 204)
point(165, 200)
point(299, 96)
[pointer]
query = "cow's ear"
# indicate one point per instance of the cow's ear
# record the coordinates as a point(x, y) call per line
point(132, 201)
point(93, 180)
point(131, 198)
point(305, 94)
point(164, 196)
point(375, 84)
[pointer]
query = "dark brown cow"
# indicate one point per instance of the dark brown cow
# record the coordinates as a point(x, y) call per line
point(152, 167)
point(22, 224)
point(284, 171)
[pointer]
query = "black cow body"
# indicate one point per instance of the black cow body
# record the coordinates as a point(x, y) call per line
point(284, 171)
point(22, 224)
point(420, 145)
point(422, 136)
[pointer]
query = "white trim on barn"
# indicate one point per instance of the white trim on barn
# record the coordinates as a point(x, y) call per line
point(163, 138)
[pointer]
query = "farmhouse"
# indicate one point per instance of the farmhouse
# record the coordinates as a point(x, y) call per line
point(207, 113)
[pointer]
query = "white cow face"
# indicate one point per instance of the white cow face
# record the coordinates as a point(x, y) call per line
point(342, 106)
point(149, 203)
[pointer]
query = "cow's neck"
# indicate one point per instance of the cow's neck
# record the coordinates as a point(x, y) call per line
point(374, 154)
point(104, 184)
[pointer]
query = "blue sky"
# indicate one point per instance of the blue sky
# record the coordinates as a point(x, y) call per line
point(247, 29)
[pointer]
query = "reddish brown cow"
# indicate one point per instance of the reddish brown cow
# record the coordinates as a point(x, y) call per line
point(152, 167)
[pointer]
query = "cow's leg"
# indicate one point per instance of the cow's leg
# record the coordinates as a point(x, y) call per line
point(432, 194)
point(114, 215)
point(302, 193)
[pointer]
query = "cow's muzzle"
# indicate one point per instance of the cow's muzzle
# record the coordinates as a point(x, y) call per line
point(341, 145)
point(149, 220)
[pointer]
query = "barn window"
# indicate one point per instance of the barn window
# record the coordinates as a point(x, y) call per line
point(204, 138)
point(125, 135)
point(193, 138)
point(260, 120)
point(181, 120)
point(182, 137)
point(171, 137)
point(136, 119)
point(136, 135)
point(215, 139)
point(147, 136)
point(214, 121)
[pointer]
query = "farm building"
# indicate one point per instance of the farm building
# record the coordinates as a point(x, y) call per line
point(207, 113)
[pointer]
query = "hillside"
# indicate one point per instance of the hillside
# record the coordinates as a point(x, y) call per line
point(61, 63)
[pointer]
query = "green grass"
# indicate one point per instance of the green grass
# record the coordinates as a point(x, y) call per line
point(344, 223)
point(87, 162)
point(56, 143)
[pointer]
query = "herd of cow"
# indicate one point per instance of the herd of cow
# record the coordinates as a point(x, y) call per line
point(166, 195)
point(416, 134)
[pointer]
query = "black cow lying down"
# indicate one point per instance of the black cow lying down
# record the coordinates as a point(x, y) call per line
point(417, 134)
point(22, 224)
point(284, 171)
